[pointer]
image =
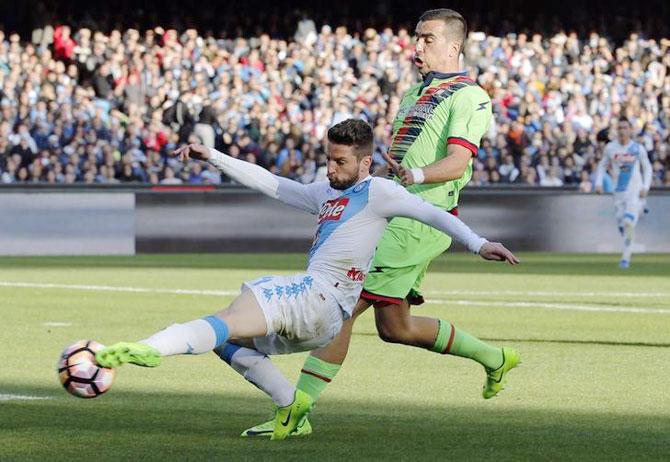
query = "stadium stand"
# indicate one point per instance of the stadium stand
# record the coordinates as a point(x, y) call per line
point(85, 100)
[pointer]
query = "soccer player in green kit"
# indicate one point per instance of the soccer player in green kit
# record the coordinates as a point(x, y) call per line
point(435, 134)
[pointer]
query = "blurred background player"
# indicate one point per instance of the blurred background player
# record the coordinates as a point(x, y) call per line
point(436, 133)
point(631, 172)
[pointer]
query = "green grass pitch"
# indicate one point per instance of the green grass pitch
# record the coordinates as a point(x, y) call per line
point(595, 344)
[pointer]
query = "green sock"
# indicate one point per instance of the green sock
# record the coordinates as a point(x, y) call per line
point(456, 342)
point(316, 375)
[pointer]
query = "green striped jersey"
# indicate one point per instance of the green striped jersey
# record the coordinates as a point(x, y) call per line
point(444, 109)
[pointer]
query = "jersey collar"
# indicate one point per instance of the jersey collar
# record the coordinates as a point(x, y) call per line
point(353, 188)
point(428, 78)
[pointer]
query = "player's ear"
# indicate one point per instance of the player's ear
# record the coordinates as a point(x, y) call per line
point(454, 49)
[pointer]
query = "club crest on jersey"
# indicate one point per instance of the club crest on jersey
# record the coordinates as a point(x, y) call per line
point(332, 210)
point(360, 187)
point(356, 274)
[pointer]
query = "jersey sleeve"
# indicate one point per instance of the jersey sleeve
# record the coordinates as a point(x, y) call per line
point(603, 165)
point(388, 200)
point(469, 118)
point(307, 197)
point(293, 193)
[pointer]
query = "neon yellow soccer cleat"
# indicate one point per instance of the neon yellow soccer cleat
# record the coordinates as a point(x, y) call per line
point(495, 379)
point(265, 430)
point(288, 419)
point(127, 352)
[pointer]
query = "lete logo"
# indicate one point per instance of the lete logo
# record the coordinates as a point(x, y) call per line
point(356, 275)
point(332, 209)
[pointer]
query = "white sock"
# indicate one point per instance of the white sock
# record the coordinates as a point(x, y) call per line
point(257, 368)
point(628, 235)
point(194, 337)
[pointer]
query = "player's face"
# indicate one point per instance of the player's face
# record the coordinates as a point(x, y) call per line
point(623, 130)
point(434, 50)
point(344, 168)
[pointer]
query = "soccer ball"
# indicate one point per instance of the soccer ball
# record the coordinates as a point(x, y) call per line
point(80, 374)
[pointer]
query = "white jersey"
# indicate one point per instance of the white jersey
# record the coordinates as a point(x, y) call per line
point(631, 168)
point(350, 222)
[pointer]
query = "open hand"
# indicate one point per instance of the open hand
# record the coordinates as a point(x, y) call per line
point(192, 151)
point(497, 252)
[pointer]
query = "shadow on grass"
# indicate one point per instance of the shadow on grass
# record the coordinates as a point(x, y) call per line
point(163, 426)
point(453, 262)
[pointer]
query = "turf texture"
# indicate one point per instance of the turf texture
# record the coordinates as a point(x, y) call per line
point(595, 345)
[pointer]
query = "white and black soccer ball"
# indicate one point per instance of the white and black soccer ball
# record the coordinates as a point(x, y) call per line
point(80, 374)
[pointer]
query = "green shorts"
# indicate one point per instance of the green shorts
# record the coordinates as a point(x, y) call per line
point(403, 254)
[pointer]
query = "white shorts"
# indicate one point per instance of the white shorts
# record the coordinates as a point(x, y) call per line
point(300, 315)
point(627, 206)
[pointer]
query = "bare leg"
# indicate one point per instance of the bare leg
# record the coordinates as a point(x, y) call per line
point(395, 324)
point(323, 364)
point(336, 351)
point(244, 317)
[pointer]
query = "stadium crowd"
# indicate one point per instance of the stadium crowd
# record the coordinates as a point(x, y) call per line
point(83, 106)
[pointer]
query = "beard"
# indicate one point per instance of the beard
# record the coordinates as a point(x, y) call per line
point(343, 184)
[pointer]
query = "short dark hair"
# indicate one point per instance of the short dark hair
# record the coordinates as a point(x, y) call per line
point(625, 119)
point(454, 21)
point(353, 132)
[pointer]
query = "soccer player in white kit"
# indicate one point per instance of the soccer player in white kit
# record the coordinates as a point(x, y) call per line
point(632, 172)
point(285, 314)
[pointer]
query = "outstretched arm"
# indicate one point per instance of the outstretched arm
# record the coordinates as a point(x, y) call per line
point(254, 177)
point(395, 201)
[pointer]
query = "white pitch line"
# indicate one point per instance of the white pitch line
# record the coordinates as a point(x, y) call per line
point(36, 285)
point(520, 304)
point(11, 397)
point(551, 306)
point(57, 324)
point(549, 293)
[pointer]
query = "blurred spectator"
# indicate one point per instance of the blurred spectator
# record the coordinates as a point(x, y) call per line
point(508, 171)
point(63, 43)
point(169, 178)
point(552, 178)
point(585, 184)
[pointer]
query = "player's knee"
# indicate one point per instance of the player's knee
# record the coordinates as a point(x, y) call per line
point(392, 333)
point(629, 219)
